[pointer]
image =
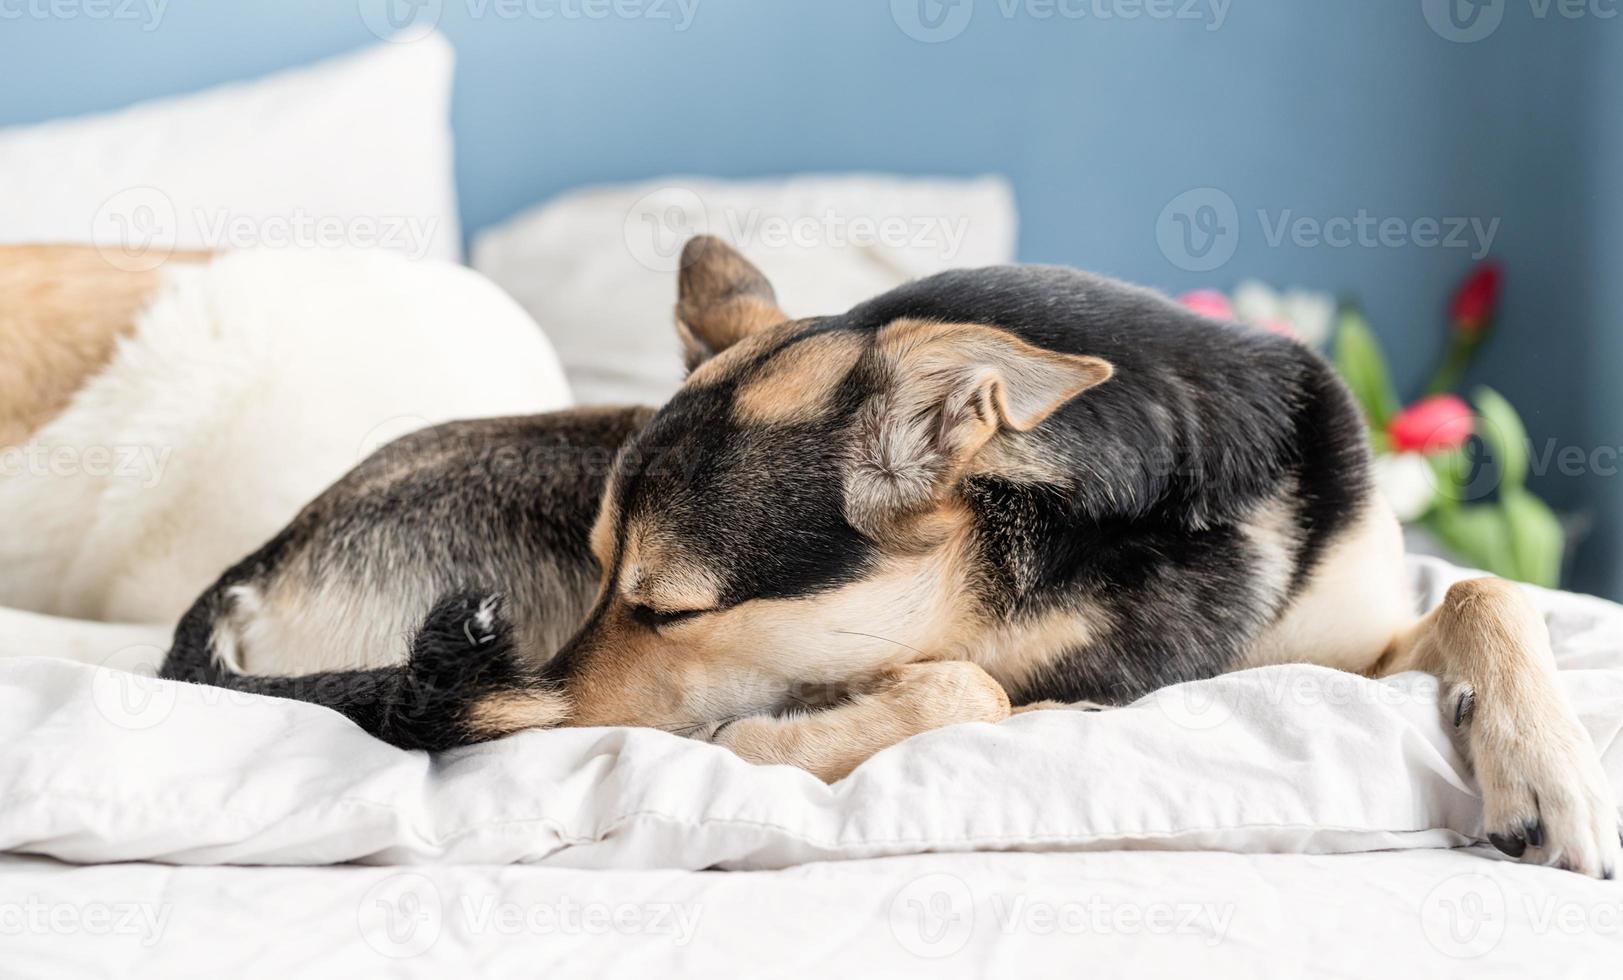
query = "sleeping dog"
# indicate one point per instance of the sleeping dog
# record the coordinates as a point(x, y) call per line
point(1026, 485)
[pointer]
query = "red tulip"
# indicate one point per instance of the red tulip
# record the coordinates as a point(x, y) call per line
point(1431, 425)
point(1476, 299)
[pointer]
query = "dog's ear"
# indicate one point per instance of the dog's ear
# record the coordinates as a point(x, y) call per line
point(721, 299)
point(948, 390)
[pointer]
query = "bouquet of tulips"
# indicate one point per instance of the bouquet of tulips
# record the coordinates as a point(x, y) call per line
point(1458, 474)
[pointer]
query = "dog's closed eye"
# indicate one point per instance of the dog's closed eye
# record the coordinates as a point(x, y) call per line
point(656, 618)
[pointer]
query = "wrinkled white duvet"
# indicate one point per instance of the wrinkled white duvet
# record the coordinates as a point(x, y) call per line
point(99, 765)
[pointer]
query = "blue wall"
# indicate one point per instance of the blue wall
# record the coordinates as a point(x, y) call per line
point(1319, 109)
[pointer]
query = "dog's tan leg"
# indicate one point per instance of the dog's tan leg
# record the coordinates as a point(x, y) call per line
point(1058, 706)
point(899, 703)
point(1545, 796)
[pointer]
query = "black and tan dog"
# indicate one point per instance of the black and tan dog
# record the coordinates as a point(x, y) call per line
point(1021, 480)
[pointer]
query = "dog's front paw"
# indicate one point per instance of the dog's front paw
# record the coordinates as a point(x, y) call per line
point(1546, 799)
point(926, 696)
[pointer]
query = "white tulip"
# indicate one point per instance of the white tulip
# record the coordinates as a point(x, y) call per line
point(1408, 484)
point(1257, 303)
point(1311, 314)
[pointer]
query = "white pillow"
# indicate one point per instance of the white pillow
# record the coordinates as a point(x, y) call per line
point(354, 152)
point(597, 267)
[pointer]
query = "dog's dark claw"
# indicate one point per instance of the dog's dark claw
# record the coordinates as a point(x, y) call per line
point(1535, 833)
point(1463, 707)
point(1514, 846)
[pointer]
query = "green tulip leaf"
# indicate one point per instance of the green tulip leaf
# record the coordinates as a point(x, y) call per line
point(1501, 428)
point(1478, 535)
point(1359, 359)
point(1537, 540)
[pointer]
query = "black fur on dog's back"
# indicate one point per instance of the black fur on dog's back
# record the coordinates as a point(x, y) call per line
point(1201, 424)
point(1201, 420)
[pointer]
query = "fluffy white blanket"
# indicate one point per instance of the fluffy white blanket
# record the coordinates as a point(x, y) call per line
point(103, 765)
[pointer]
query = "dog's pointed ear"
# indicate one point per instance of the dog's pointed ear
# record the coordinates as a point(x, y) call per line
point(948, 390)
point(721, 299)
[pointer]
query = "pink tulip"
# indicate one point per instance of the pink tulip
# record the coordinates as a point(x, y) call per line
point(1431, 425)
point(1208, 303)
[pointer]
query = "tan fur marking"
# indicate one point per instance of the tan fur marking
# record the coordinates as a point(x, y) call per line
point(727, 363)
point(1016, 653)
point(799, 383)
point(63, 312)
point(601, 539)
point(1353, 603)
point(516, 711)
point(898, 704)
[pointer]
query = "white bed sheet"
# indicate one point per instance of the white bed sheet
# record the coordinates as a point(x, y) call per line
point(1142, 914)
point(1280, 822)
point(100, 766)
